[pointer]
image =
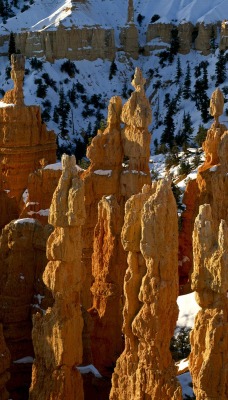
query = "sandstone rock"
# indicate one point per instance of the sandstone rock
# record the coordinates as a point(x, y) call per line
point(216, 105)
point(203, 40)
point(4, 366)
point(108, 269)
point(22, 261)
point(129, 40)
point(209, 339)
point(209, 187)
point(136, 115)
point(223, 45)
point(21, 132)
point(87, 43)
point(16, 95)
point(150, 235)
point(108, 273)
point(101, 178)
point(36, 199)
point(57, 335)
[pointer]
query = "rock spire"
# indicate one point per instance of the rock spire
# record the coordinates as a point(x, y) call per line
point(57, 335)
point(150, 235)
point(209, 338)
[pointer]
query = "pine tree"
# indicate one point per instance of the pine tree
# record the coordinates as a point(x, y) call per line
point(220, 69)
point(63, 111)
point(2, 8)
point(179, 72)
point(113, 69)
point(12, 46)
point(167, 136)
point(187, 83)
point(174, 44)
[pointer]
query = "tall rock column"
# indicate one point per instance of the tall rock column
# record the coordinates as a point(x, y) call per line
point(101, 178)
point(57, 336)
point(202, 189)
point(136, 115)
point(150, 235)
point(24, 139)
point(209, 338)
point(109, 261)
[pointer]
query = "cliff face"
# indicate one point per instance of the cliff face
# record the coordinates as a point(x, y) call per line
point(92, 42)
point(21, 132)
point(209, 339)
point(57, 335)
point(22, 261)
point(150, 235)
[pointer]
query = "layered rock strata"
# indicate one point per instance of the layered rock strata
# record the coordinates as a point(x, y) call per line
point(150, 235)
point(57, 335)
point(22, 261)
point(22, 132)
point(209, 338)
point(89, 43)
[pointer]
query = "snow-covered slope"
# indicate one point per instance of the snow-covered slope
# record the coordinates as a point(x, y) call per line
point(44, 14)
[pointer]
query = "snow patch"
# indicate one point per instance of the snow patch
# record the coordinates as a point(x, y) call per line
point(24, 360)
point(89, 368)
point(104, 172)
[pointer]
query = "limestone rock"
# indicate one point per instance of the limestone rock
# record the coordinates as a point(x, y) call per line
point(4, 366)
point(57, 335)
point(22, 261)
point(216, 105)
point(129, 40)
point(22, 132)
point(209, 339)
point(150, 235)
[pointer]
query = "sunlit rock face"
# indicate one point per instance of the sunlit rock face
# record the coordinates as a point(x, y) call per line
point(145, 369)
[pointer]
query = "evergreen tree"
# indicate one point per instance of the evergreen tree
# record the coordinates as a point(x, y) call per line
point(63, 111)
point(167, 136)
point(187, 83)
point(179, 72)
point(183, 138)
point(205, 77)
point(220, 69)
point(2, 8)
point(113, 69)
point(174, 44)
point(12, 46)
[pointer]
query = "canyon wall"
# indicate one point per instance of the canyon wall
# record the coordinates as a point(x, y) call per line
point(92, 42)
